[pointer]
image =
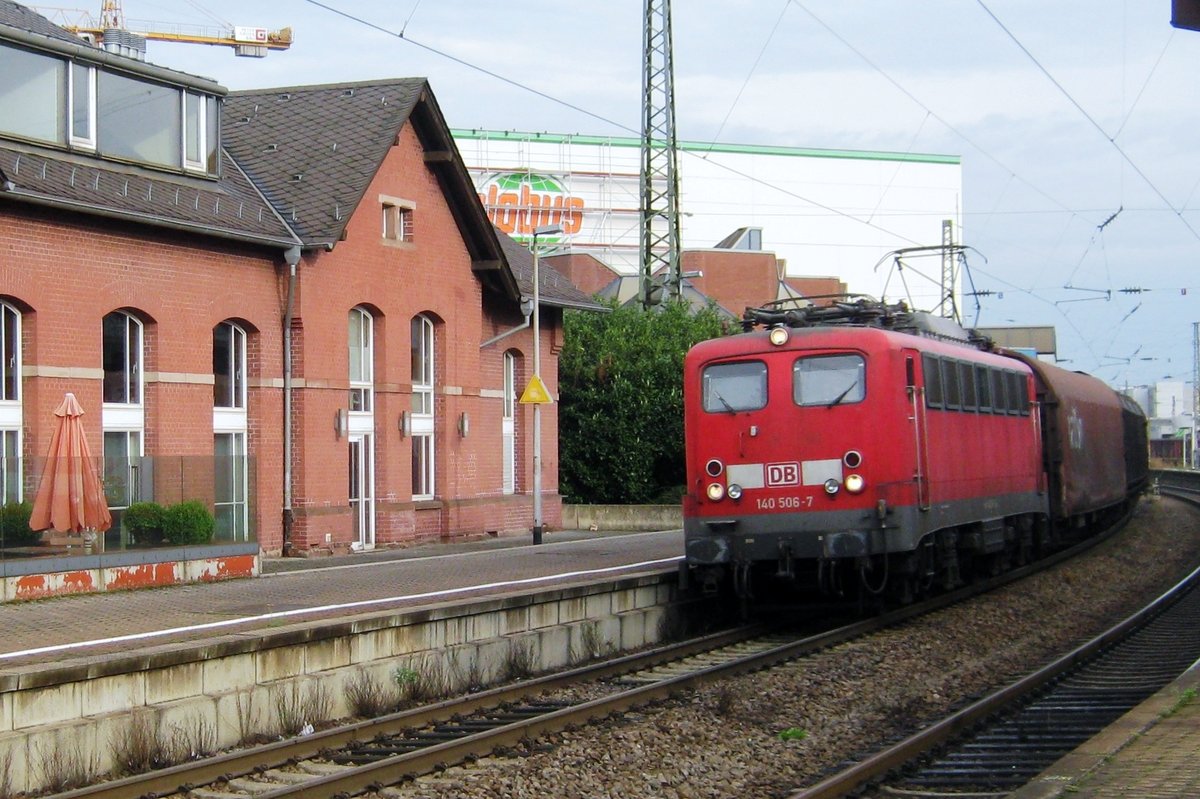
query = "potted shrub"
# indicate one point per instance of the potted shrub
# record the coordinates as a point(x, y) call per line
point(189, 522)
point(145, 522)
point(14, 525)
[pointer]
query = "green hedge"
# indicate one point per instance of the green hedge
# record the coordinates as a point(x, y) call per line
point(14, 525)
point(189, 522)
point(145, 522)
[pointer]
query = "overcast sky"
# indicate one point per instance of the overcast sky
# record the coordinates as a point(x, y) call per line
point(1064, 113)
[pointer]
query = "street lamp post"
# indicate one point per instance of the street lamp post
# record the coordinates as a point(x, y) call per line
point(544, 230)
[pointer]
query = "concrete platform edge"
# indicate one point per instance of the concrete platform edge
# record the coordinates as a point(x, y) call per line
point(1065, 776)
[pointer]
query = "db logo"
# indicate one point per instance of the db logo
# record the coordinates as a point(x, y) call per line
point(783, 474)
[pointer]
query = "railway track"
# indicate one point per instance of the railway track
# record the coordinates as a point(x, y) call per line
point(1002, 741)
point(368, 756)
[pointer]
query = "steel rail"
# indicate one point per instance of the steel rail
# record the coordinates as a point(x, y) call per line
point(392, 770)
point(918, 744)
point(248, 761)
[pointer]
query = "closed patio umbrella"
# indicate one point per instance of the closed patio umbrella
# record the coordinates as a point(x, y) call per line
point(70, 497)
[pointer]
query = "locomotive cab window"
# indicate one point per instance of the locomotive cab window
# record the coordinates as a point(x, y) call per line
point(829, 380)
point(732, 387)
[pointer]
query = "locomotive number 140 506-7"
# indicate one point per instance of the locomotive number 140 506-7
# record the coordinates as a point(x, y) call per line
point(784, 503)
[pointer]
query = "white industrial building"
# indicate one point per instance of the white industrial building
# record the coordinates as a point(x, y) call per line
point(824, 212)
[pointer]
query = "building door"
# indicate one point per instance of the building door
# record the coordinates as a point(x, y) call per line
point(362, 493)
point(508, 434)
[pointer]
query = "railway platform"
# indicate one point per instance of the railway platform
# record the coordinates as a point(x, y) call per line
point(305, 590)
point(1152, 752)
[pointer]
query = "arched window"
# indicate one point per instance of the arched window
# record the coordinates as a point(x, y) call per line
point(230, 425)
point(122, 359)
point(229, 366)
point(423, 373)
point(10, 404)
point(361, 359)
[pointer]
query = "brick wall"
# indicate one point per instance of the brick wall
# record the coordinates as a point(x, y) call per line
point(65, 272)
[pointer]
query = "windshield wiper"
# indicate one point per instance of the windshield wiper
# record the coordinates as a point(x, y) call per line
point(837, 400)
point(723, 401)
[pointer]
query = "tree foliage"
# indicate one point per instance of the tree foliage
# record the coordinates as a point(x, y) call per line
point(620, 378)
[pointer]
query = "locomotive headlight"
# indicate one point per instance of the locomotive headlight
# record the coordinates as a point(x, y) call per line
point(831, 486)
point(735, 491)
point(854, 483)
point(716, 492)
point(778, 336)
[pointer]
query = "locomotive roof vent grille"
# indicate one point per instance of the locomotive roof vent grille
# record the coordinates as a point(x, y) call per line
point(862, 310)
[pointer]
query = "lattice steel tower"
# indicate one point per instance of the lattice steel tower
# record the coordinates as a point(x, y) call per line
point(660, 172)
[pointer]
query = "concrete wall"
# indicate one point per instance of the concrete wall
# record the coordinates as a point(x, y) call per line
point(622, 517)
point(235, 685)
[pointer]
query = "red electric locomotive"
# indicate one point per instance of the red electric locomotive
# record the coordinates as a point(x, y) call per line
point(861, 448)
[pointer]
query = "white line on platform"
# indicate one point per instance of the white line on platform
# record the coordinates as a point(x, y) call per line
point(283, 614)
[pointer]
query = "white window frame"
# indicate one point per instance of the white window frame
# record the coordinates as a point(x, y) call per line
point(200, 134)
point(424, 376)
point(130, 464)
point(128, 418)
point(85, 139)
point(231, 421)
point(362, 352)
point(508, 437)
point(361, 473)
point(134, 369)
point(399, 218)
point(240, 484)
point(230, 416)
point(11, 414)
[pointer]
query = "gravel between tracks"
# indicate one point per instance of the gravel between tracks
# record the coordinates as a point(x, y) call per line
point(724, 740)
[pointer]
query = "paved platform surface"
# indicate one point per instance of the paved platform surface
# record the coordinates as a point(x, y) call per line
point(1152, 752)
point(291, 590)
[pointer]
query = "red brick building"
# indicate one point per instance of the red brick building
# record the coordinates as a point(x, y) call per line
point(287, 303)
point(735, 274)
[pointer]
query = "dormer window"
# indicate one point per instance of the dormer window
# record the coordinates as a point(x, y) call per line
point(32, 105)
point(59, 101)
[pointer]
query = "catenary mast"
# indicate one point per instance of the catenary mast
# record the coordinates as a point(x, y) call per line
point(659, 247)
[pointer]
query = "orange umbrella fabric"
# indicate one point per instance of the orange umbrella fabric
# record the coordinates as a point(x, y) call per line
point(70, 498)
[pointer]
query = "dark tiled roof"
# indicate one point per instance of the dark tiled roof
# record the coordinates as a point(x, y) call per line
point(22, 18)
point(229, 208)
point(312, 150)
point(553, 289)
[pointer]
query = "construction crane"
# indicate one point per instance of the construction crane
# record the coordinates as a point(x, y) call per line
point(115, 33)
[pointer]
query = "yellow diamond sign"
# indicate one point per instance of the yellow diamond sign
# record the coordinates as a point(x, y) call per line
point(535, 393)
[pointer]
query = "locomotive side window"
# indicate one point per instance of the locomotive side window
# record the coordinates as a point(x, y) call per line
point(983, 382)
point(953, 388)
point(829, 380)
point(999, 391)
point(732, 387)
point(1020, 400)
point(934, 396)
point(966, 375)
